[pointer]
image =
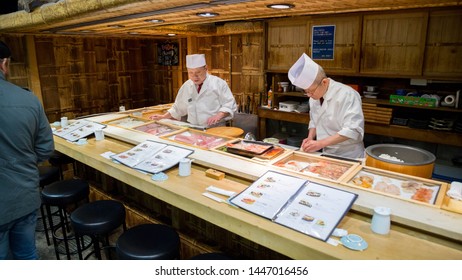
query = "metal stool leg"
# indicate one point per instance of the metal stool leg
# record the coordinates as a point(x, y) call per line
point(50, 222)
point(45, 226)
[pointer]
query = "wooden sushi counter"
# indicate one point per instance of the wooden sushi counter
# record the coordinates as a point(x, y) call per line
point(418, 231)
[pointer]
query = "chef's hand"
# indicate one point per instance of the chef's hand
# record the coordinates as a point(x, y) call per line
point(156, 117)
point(159, 117)
point(310, 146)
point(215, 119)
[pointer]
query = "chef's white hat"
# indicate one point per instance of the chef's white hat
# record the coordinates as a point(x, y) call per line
point(303, 73)
point(195, 60)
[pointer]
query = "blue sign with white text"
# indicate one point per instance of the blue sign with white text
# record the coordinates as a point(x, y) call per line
point(323, 40)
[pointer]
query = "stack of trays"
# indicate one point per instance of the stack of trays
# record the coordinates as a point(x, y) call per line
point(441, 124)
point(375, 114)
point(370, 94)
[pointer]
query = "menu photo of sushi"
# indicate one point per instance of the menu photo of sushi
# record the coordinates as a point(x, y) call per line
point(267, 195)
point(319, 209)
point(152, 157)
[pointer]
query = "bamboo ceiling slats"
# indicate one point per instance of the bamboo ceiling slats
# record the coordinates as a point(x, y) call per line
point(125, 17)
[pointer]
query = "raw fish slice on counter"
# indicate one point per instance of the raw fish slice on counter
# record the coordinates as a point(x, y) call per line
point(199, 140)
point(292, 164)
point(423, 194)
point(155, 129)
point(326, 170)
point(387, 188)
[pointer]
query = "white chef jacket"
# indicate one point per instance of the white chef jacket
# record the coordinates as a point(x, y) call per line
point(341, 112)
point(215, 96)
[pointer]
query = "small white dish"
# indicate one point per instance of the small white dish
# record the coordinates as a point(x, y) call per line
point(161, 176)
point(354, 242)
point(81, 141)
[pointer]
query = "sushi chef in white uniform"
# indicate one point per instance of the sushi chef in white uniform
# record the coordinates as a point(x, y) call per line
point(336, 118)
point(207, 100)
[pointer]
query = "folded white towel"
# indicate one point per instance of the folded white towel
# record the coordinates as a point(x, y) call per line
point(455, 190)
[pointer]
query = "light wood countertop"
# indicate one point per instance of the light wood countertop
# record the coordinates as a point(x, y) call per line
point(186, 194)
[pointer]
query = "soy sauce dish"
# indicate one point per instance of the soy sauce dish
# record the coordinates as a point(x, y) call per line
point(354, 242)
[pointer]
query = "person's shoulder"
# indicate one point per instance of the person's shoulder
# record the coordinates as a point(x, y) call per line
point(344, 88)
point(215, 78)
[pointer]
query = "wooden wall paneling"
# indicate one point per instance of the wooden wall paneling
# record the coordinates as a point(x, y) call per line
point(393, 43)
point(47, 74)
point(79, 101)
point(246, 67)
point(236, 62)
point(347, 43)
point(287, 40)
point(187, 46)
point(124, 91)
point(19, 74)
point(220, 53)
point(443, 51)
point(34, 80)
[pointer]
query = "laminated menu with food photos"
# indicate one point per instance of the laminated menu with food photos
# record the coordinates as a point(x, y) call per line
point(311, 208)
point(152, 157)
point(78, 129)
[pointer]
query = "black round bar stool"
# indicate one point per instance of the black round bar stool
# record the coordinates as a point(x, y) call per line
point(97, 219)
point(149, 242)
point(60, 160)
point(63, 195)
point(47, 175)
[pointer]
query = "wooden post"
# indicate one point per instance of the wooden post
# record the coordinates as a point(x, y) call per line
point(34, 77)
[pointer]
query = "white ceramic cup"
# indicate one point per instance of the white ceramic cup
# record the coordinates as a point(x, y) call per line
point(64, 122)
point(185, 167)
point(99, 134)
point(381, 220)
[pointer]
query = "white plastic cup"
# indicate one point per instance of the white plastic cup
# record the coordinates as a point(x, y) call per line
point(122, 108)
point(99, 134)
point(381, 220)
point(64, 122)
point(185, 167)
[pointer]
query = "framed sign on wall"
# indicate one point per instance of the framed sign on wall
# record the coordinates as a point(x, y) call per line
point(168, 54)
point(323, 41)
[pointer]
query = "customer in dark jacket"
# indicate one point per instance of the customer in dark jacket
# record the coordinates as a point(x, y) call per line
point(25, 140)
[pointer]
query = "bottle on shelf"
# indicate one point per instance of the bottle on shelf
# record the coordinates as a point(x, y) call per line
point(270, 98)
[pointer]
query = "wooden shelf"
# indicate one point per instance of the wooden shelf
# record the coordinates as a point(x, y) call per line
point(266, 113)
point(385, 102)
point(423, 135)
point(291, 93)
point(404, 132)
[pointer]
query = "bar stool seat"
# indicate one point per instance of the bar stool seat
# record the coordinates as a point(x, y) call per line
point(97, 219)
point(60, 160)
point(66, 192)
point(48, 175)
point(63, 194)
point(149, 242)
